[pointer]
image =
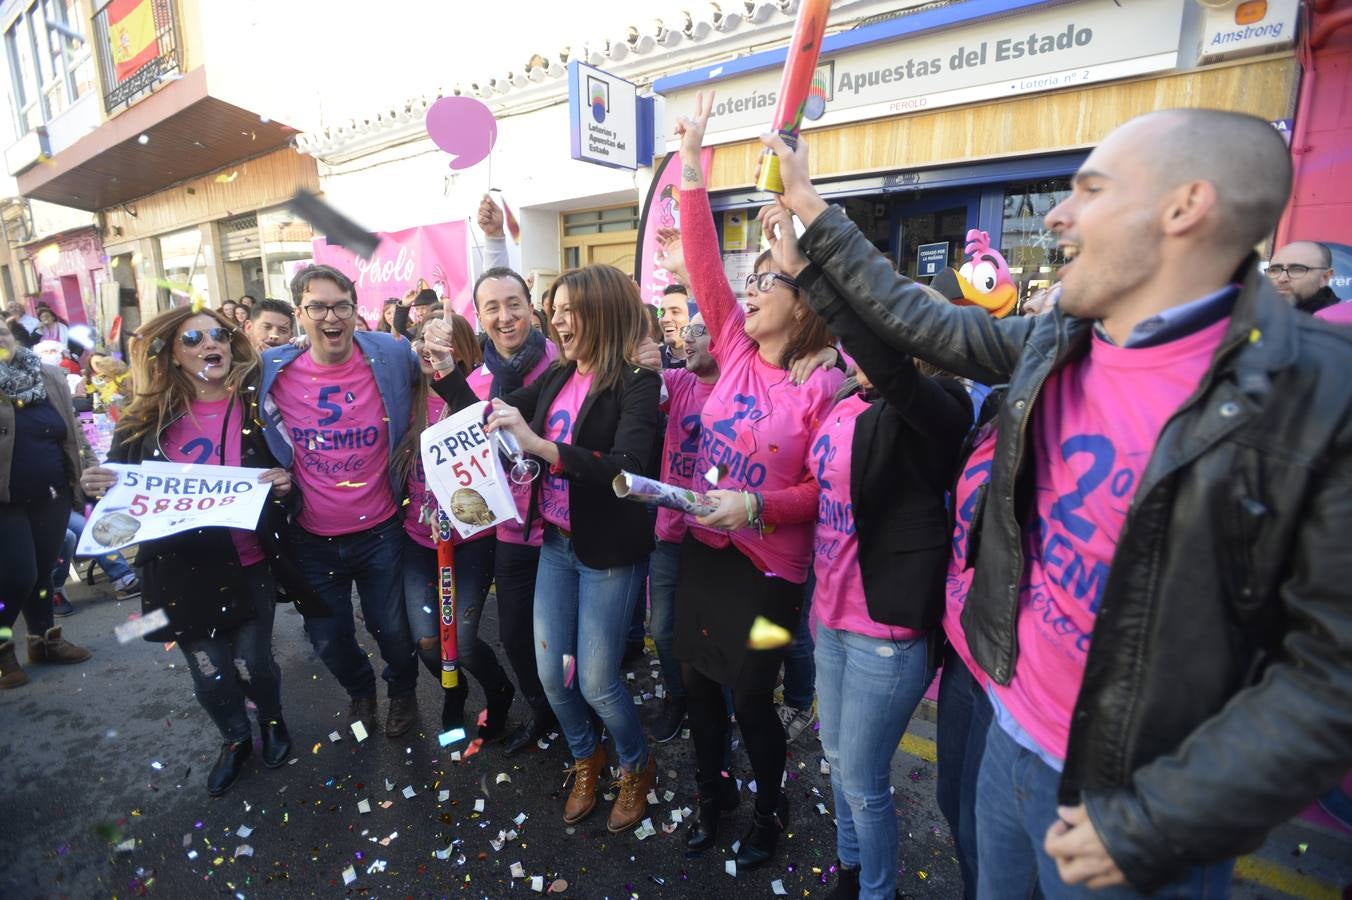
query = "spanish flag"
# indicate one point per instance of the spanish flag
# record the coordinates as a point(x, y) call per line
point(131, 35)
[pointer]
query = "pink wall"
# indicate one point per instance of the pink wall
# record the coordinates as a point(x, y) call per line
point(67, 277)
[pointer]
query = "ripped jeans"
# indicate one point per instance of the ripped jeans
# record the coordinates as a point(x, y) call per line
point(861, 727)
point(238, 665)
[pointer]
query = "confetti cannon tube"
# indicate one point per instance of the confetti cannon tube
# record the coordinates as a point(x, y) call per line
point(645, 490)
point(450, 649)
point(799, 67)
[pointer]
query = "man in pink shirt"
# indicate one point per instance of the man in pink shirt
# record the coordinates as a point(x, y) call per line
point(335, 413)
point(1160, 585)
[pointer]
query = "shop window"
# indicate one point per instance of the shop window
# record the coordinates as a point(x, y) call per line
point(50, 63)
point(288, 244)
point(600, 221)
point(600, 236)
point(1028, 246)
point(185, 267)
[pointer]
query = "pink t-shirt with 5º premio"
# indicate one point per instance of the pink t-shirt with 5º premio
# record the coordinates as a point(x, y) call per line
point(560, 427)
point(196, 437)
point(1097, 425)
point(336, 421)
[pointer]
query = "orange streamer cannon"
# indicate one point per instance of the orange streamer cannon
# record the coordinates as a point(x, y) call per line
point(795, 86)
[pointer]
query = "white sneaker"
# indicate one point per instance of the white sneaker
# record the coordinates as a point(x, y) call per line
point(796, 721)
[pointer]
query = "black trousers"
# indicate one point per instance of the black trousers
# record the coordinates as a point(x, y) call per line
point(514, 569)
point(31, 533)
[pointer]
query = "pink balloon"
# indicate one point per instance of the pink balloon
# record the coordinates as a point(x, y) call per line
point(463, 127)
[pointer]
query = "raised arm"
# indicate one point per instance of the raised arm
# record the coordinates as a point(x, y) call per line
point(495, 241)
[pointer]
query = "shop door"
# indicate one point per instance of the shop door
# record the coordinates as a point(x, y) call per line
point(936, 223)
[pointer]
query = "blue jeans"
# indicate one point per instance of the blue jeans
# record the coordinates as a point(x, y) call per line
point(1016, 804)
point(374, 560)
point(114, 564)
point(230, 667)
point(422, 601)
point(964, 716)
point(637, 617)
point(867, 689)
point(662, 566)
point(798, 673)
point(584, 613)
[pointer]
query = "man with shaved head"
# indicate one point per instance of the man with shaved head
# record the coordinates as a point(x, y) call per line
point(1301, 272)
point(1150, 578)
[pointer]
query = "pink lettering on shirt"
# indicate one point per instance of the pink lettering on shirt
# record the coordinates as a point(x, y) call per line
point(560, 427)
point(838, 597)
point(196, 437)
point(976, 473)
point(481, 382)
point(336, 421)
point(1091, 448)
point(680, 448)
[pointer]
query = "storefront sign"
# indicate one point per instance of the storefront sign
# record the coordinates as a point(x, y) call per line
point(157, 499)
point(1248, 28)
point(603, 112)
point(464, 472)
point(437, 254)
point(930, 259)
point(1065, 46)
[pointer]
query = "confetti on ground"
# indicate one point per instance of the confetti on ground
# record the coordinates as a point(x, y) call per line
point(445, 854)
point(520, 818)
point(409, 793)
point(126, 846)
point(359, 731)
point(730, 866)
point(140, 626)
point(454, 736)
point(826, 767)
point(315, 749)
point(335, 737)
point(645, 830)
point(558, 886)
point(503, 778)
point(363, 806)
point(349, 875)
point(479, 805)
point(386, 804)
point(244, 831)
point(243, 850)
point(518, 870)
point(766, 635)
point(157, 765)
point(778, 887)
point(443, 796)
point(537, 883)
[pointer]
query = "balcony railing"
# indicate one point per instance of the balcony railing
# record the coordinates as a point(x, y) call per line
point(166, 62)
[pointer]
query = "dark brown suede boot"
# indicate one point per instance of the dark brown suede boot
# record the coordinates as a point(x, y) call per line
point(11, 675)
point(53, 648)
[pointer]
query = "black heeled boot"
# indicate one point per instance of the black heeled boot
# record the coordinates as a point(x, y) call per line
point(715, 798)
point(276, 743)
point(453, 712)
point(495, 723)
point(758, 845)
point(229, 766)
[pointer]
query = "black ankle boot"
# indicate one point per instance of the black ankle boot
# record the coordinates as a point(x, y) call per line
point(276, 743)
point(229, 766)
point(847, 884)
point(495, 723)
point(758, 844)
point(453, 710)
point(715, 798)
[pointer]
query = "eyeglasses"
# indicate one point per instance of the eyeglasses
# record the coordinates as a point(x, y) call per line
point(766, 280)
point(690, 332)
point(195, 336)
point(319, 312)
point(1277, 270)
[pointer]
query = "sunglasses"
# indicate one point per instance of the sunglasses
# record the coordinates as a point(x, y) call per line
point(195, 336)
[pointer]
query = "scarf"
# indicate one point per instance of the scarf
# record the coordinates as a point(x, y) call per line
point(510, 373)
point(21, 378)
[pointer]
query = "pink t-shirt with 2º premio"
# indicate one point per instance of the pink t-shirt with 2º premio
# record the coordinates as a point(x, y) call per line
point(838, 598)
point(1097, 425)
point(196, 437)
point(481, 382)
point(976, 471)
point(680, 448)
point(561, 427)
point(336, 421)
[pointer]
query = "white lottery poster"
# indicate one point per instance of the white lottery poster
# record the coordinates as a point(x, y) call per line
point(156, 499)
point(464, 472)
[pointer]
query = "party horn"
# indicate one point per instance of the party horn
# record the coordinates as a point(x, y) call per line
point(794, 86)
point(450, 646)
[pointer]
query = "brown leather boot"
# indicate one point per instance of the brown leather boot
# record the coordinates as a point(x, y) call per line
point(53, 648)
point(11, 675)
point(586, 773)
point(632, 803)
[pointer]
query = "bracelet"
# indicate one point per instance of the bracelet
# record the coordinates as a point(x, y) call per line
point(750, 516)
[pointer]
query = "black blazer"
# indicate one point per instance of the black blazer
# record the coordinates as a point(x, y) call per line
point(906, 451)
point(616, 430)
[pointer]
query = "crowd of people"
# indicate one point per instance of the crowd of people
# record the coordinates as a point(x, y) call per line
point(1114, 524)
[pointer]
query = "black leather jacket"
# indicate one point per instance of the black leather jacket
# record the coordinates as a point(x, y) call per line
point(1217, 693)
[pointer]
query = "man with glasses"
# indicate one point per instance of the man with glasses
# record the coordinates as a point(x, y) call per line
point(335, 414)
point(1301, 272)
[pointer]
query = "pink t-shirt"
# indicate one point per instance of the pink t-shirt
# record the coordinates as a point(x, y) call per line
point(756, 424)
point(196, 438)
point(481, 382)
point(560, 428)
point(1096, 428)
point(685, 400)
point(336, 421)
point(975, 473)
point(838, 597)
point(420, 512)
point(1338, 313)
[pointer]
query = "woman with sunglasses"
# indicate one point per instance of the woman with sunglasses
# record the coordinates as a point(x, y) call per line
point(195, 379)
point(586, 419)
point(425, 525)
point(748, 560)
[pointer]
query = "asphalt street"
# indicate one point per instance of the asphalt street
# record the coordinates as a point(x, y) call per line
point(103, 765)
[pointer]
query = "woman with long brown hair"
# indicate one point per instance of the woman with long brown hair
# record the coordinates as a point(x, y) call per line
point(748, 560)
point(426, 526)
point(588, 417)
point(195, 402)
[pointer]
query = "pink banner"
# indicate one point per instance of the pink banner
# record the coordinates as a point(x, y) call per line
point(662, 210)
point(435, 253)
